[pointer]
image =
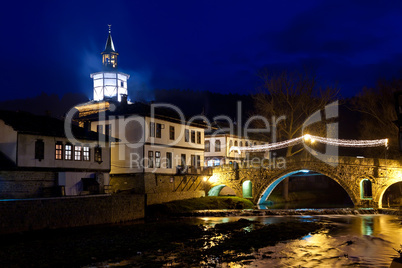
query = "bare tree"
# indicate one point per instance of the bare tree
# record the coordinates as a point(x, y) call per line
point(293, 96)
point(378, 116)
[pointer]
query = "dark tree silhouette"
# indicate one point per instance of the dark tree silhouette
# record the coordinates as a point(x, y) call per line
point(378, 116)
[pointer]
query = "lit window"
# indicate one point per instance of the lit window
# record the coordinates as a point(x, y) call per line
point(68, 152)
point(77, 152)
point(85, 153)
point(39, 150)
point(157, 159)
point(59, 150)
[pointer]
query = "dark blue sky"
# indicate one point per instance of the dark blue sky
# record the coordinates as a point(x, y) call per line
point(53, 46)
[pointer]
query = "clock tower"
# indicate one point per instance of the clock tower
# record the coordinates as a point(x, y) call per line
point(110, 84)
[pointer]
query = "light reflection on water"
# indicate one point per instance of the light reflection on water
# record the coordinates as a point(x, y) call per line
point(358, 240)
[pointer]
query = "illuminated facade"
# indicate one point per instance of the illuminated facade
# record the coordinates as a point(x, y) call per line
point(217, 149)
point(109, 84)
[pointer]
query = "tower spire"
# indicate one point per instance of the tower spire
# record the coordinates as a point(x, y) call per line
point(109, 55)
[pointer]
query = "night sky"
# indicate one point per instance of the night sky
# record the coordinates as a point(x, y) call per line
point(53, 46)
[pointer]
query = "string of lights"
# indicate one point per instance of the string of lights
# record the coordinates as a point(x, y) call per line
point(311, 139)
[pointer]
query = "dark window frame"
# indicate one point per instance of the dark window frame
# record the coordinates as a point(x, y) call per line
point(171, 132)
point(39, 149)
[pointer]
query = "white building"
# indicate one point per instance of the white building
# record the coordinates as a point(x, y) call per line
point(217, 149)
point(158, 154)
point(159, 144)
point(37, 159)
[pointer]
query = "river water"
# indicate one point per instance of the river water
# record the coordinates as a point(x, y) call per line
point(358, 240)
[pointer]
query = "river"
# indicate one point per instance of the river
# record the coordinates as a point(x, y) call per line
point(358, 240)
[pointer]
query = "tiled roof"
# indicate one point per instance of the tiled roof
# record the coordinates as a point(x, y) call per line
point(24, 122)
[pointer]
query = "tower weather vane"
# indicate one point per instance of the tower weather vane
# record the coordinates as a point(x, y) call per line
point(110, 27)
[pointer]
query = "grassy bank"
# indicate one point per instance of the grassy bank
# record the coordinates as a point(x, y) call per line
point(188, 205)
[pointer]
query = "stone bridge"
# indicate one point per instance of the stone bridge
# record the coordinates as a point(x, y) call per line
point(364, 179)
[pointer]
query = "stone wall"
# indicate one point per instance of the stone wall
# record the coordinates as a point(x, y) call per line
point(160, 188)
point(25, 184)
point(167, 197)
point(51, 213)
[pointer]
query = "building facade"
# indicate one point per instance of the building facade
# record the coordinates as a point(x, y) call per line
point(217, 149)
point(38, 160)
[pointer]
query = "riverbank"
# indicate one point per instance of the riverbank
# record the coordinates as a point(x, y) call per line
point(188, 206)
point(148, 244)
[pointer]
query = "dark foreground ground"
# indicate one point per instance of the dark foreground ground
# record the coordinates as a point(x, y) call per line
point(146, 244)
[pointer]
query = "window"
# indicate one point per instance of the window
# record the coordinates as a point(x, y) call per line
point(241, 144)
point(98, 154)
point(158, 130)
point(68, 151)
point(235, 143)
point(217, 146)
point(366, 191)
point(246, 143)
point(77, 152)
point(39, 150)
point(150, 159)
point(121, 83)
point(192, 136)
point(152, 129)
point(193, 160)
point(207, 149)
point(198, 163)
point(198, 137)
point(157, 159)
point(59, 150)
point(186, 135)
point(85, 153)
point(99, 129)
point(183, 160)
point(171, 132)
point(168, 160)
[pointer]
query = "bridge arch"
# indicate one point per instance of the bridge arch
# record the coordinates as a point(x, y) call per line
point(270, 186)
point(381, 200)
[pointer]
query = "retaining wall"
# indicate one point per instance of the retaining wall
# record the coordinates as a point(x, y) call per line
point(50, 213)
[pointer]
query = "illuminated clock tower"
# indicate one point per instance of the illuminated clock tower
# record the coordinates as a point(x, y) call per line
point(110, 84)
